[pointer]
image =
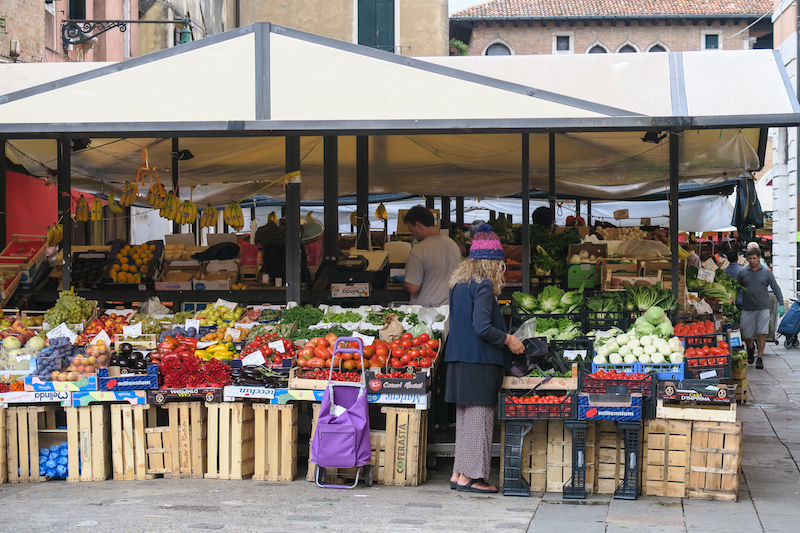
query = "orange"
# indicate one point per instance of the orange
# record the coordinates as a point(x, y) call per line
point(123, 260)
point(152, 247)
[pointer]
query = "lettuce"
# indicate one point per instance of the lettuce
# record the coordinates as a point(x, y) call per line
point(655, 315)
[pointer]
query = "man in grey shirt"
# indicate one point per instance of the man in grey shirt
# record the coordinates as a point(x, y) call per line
point(432, 261)
point(756, 278)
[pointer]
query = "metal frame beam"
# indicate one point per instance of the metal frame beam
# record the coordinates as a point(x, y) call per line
point(293, 228)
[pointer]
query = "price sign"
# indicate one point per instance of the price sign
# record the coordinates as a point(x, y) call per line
point(255, 358)
point(120, 312)
point(708, 374)
point(366, 339)
point(250, 325)
point(277, 346)
point(225, 303)
point(204, 345)
point(102, 336)
point(192, 323)
point(706, 275)
point(62, 330)
point(132, 331)
point(645, 222)
point(619, 214)
point(233, 333)
point(573, 355)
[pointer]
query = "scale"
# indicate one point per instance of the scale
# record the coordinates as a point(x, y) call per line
point(357, 274)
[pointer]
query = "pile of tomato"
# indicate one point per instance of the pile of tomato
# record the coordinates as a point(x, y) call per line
point(708, 355)
point(696, 333)
point(413, 351)
point(614, 374)
point(395, 375)
point(262, 342)
point(549, 399)
point(318, 373)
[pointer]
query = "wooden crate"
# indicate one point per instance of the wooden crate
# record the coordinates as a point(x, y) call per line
point(179, 449)
point(610, 458)
point(88, 437)
point(665, 460)
point(3, 448)
point(231, 440)
point(742, 389)
point(547, 456)
point(276, 441)
point(28, 429)
point(716, 461)
point(130, 442)
point(739, 369)
point(698, 412)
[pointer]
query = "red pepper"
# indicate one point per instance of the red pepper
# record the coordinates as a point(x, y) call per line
point(190, 341)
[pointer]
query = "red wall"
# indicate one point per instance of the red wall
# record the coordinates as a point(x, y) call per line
point(32, 205)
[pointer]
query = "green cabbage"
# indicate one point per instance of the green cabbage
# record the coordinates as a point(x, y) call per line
point(550, 298)
point(655, 315)
point(526, 302)
point(646, 329)
point(665, 330)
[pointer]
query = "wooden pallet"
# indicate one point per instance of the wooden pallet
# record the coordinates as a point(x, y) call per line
point(405, 459)
point(130, 442)
point(610, 459)
point(88, 437)
point(179, 449)
point(28, 429)
point(666, 455)
point(276, 441)
point(231, 440)
point(547, 456)
point(698, 412)
point(716, 461)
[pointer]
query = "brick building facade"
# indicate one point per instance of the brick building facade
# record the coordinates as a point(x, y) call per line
point(605, 26)
point(22, 28)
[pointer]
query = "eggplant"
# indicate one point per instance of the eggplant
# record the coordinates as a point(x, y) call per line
point(140, 364)
point(125, 348)
point(136, 356)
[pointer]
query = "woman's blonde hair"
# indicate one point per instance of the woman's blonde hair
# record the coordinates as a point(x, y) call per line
point(478, 269)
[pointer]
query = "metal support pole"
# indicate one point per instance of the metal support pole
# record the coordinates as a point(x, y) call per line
point(176, 176)
point(445, 214)
point(362, 192)
point(330, 168)
point(674, 161)
point(429, 202)
point(64, 214)
point(577, 208)
point(526, 208)
point(293, 228)
point(588, 212)
point(492, 215)
point(459, 211)
point(3, 203)
point(552, 170)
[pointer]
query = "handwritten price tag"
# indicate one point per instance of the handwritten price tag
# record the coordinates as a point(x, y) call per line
point(277, 346)
point(572, 355)
point(225, 303)
point(102, 336)
point(192, 323)
point(62, 330)
point(233, 333)
point(255, 358)
point(132, 331)
point(706, 275)
point(366, 339)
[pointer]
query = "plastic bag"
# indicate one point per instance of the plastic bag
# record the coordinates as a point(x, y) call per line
point(153, 306)
point(428, 316)
point(643, 249)
point(527, 330)
point(392, 328)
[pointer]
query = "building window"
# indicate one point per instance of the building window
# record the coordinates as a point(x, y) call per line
point(657, 48)
point(710, 40)
point(627, 49)
point(376, 24)
point(77, 9)
point(498, 49)
point(597, 49)
point(50, 30)
point(562, 43)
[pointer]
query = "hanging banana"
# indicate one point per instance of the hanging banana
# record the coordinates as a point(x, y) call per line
point(156, 195)
point(233, 216)
point(97, 210)
point(82, 210)
point(113, 205)
point(187, 213)
point(273, 217)
point(353, 219)
point(169, 203)
point(129, 194)
point(209, 218)
point(380, 212)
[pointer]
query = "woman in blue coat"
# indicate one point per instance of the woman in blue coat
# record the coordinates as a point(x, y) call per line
point(476, 358)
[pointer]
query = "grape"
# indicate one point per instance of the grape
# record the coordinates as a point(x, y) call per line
point(69, 308)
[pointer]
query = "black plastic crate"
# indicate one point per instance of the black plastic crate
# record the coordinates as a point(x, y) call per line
point(720, 371)
point(688, 319)
point(645, 386)
point(578, 344)
point(575, 488)
point(540, 282)
point(605, 320)
point(507, 409)
point(630, 486)
point(88, 269)
point(513, 484)
point(519, 317)
point(649, 407)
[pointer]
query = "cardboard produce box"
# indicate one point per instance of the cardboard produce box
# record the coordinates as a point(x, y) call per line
point(217, 275)
point(179, 275)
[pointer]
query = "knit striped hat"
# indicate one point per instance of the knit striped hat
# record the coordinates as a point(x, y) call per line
point(486, 244)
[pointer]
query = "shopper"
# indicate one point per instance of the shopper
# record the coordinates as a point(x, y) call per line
point(544, 216)
point(476, 359)
point(431, 262)
point(732, 270)
point(755, 279)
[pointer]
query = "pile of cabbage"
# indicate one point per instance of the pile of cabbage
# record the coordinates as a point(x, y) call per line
point(650, 340)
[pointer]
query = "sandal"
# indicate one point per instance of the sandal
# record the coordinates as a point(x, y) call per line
point(453, 485)
point(470, 488)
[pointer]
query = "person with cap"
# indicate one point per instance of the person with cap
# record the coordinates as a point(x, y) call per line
point(756, 279)
point(478, 353)
point(432, 261)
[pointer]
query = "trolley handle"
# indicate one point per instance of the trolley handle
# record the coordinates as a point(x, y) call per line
point(359, 351)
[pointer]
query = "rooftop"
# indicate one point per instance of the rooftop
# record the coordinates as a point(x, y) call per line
point(598, 8)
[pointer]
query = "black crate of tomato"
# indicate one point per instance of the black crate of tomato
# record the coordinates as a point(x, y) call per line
point(700, 334)
point(605, 382)
point(535, 407)
point(708, 362)
point(690, 319)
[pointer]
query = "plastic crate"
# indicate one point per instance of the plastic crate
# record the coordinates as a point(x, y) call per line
point(688, 319)
point(579, 344)
point(630, 487)
point(575, 488)
point(519, 317)
point(645, 386)
point(649, 404)
point(513, 483)
point(540, 282)
point(628, 368)
point(603, 321)
point(625, 407)
point(508, 410)
point(665, 370)
point(716, 371)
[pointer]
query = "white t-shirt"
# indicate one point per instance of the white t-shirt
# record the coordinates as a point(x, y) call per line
point(430, 265)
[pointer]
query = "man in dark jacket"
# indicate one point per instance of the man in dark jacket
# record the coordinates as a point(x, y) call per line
point(756, 278)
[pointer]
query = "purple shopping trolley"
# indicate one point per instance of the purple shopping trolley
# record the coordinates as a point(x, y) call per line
point(341, 439)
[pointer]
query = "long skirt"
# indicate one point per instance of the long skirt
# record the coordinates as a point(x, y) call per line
point(474, 429)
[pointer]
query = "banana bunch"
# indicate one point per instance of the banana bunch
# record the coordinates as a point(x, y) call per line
point(129, 194)
point(233, 216)
point(96, 213)
point(381, 213)
point(82, 210)
point(170, 208)
point(272, 217)
point(55, 234)
point(156, 195)
point(209, 218)
point(187, 214)
point(113, 205)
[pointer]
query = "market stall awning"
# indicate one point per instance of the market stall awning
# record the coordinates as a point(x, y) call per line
point(438, 126)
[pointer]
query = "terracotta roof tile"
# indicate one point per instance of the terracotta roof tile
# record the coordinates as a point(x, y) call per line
point(584, 8)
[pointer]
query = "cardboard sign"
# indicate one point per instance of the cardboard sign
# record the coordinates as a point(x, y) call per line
point(619, 214)
point(645, 222)
point(250, 325)
point(192, 323)
point(366, 339)
point(62, 330)
point(706, 275)
point(277, 346)
point(225, 303)
point(234, 333)
point(102, 336)
point(572, 355)
point(256, 358)
point(132, 331)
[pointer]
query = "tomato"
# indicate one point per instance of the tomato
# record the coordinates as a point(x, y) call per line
point(315, 362)
point(406, 344)
point(331, 338)
point(369, 351)
point(395, 345)
point(424, 362)
point(398, 352)
point(434, 344)
point(396, 363)
point(349, 365)
point(424, 338)
point(407, 336)
point(307, 353)
point(381, 351)
point(320, 352)
point(405, 359)
point(414, 354)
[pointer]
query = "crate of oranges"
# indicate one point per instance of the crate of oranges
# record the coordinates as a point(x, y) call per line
point(133, 265)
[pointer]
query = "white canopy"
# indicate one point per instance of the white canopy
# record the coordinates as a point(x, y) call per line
point(437, 126)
